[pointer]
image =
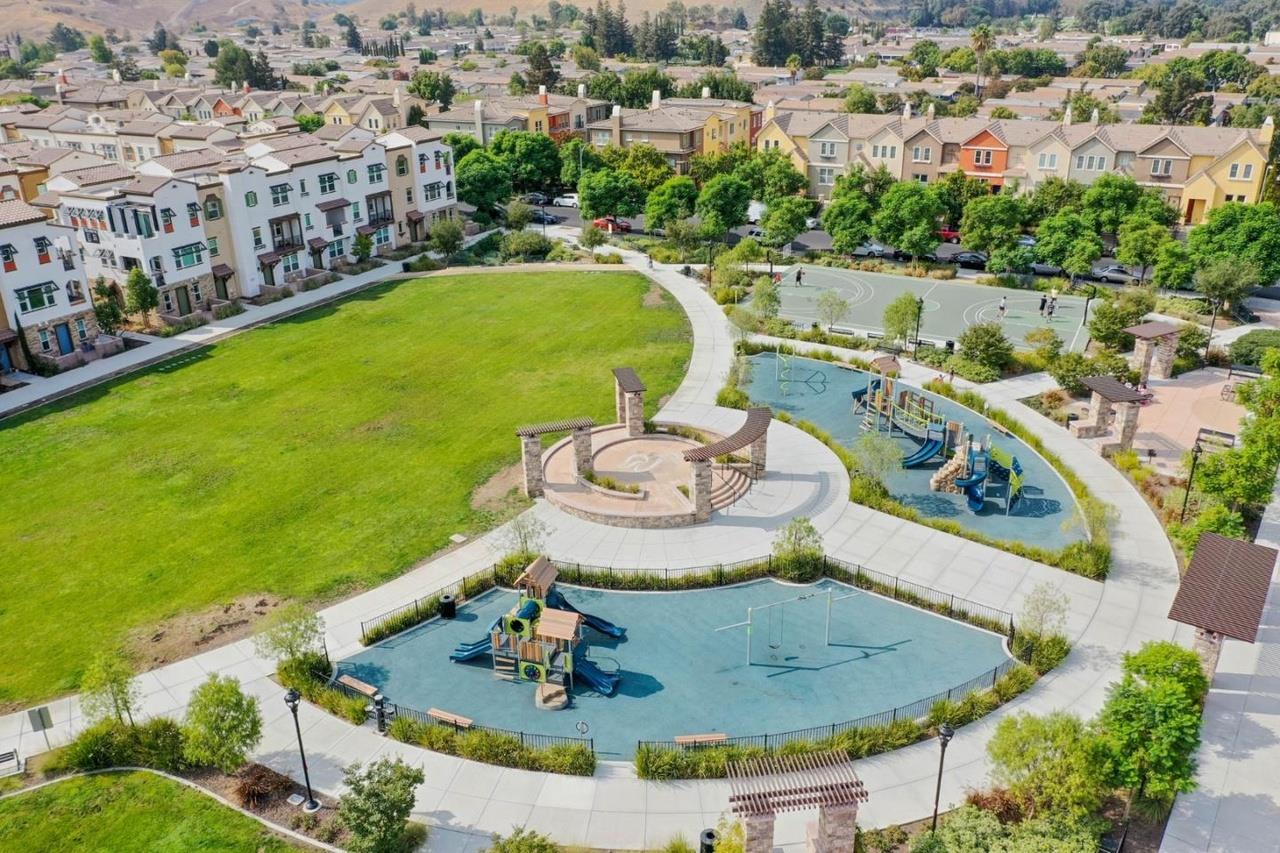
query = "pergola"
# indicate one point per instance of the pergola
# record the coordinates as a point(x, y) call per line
point(1223, 593)
point(1107, 394)
point(752, 435)
point(759, 788)
point(628, 392)
point(531, 449)
point(1155, 348)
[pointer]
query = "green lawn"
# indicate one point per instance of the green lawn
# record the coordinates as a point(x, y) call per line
point(308, 458)
point(127, 811)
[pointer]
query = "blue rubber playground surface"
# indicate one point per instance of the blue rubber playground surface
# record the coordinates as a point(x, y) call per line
point(820, 392)
point(684, 670)
point(950, 307)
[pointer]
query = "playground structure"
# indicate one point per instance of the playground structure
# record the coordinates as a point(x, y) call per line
point(796, 632)
point(644, 475)
point(541, 639)
point(979, 471)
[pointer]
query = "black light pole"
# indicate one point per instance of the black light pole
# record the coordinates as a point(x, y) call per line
point(1196, 450)
point(1217, 303)
point(292, 699)
point(919, 316)
point(945, 733)
point(544, 219)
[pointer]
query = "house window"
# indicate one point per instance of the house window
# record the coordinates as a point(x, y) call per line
point(9, 255)
point(328, 183)
point(306, 221)
point(195, 290)
point(1161, 167)
point(352, 177)
point(408, 195)
point(302, 187)
point(431, 192)
point(921, 154)
point(336, 250)
point(923, 179)
point(982, 157)
point(376, 171)
point(827, 149)
point(42, 249)
point(257, 237)
point(35, 298)
point(826, 176)
point(1241, 172)
point(355, 210)
point(166, 220)
point(82, 329)
point(422, 163)
point(1080, 162)
point(382, 236)
point(212, 208)
point(188, 256)
point(402, 165)
point(212, 243)
point(75, 292)
point(290, 263)
point(167, 297)
point(279, 195)
point(45, 343)
point(1048, 161)
point(251, 199)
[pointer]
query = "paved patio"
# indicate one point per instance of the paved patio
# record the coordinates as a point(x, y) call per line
point(1182, 406)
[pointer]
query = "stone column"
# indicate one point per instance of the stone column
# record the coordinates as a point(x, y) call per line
point(1208, 646)
point(1127, 425)
point(1143, 349)
point(759, 833)
point(1166, 350)
point(837, 826)
point(635, 414)
point(531, 457)
point(582, 451)
point(701, 490)
point(619, 402)
point(758, 452)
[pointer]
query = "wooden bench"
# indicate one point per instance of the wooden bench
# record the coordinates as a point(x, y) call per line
point(700, 740)
point(456, 720)
point(358, 686)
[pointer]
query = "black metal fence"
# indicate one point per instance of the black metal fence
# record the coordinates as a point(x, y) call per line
point(914, 711)
point(428, 606)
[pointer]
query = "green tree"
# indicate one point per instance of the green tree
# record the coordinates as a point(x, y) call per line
point(223, 725)
point(878, 455)
point(848, 220)
point(1152, 731)
point(770, 175)
point(908, 219)
point(309, 122)
point(1111, 317)
point(461, 143)
point(576, 159)
point(141, 296)
point(1053, 765)
point(519, 215)
point(1011, 258)
point(1140, 242)
point(900, 318)
point(362, 247)
point(723, 204)
point(832, 308)
point(106, 310)
point(377, 804)
point(955, 190)
point(446, 238)
point(609, 192)
point(859, 99)
point(1162, 659)
point(531, 159)
point(1065, 239)
point(433, 87)
point(289, 633)
point(872, 184)
point(985, 343)
point(483, 181)
point(766, 301)
point(645, 163)
point(1246, 232)
point(1109, 201)
point(798, 547)
point(1051, 196)
point(673, 199)
point(1173, 267)
point(1226, 280)
point(108, 689)
point(991, 222)
point(785, 220)
point(591, 237)
point(99, 51)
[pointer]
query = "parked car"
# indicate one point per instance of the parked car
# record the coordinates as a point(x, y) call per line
point(949, 235)
point(756, 211)
point(1027, 240)
point(542, 218)
point(612, 223)
point(813, 223)
point(755, 233)
point(1115, 274)
point(1046, 269)
point(536, 199)
point(872, 249)
point(969, 260)
point(566, 200)
point(899, 255)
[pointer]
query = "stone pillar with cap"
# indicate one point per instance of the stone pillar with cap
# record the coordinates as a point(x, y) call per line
point(1127, 424)
point(1166, 351)
point(701, 490)
point(758, 832)
point(531, 459)
point(1143, 350)
point(836, 829)
point(635, 413)
point(582, 462)
point(1208, 646)
point(758, 451)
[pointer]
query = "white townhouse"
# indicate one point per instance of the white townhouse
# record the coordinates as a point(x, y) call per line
point(44, 294)
point(420, 165)
point(149, 222)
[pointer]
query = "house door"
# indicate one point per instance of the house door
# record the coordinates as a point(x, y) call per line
point(184, 301)
point(63, 332)
point(220, 287)
point(6, 364)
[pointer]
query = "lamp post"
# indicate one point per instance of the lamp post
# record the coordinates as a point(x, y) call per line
point(1196, 450)
point(945, 733)
point(1217, 303)
point(544, 218)
point(293, 699)
point(919, 316)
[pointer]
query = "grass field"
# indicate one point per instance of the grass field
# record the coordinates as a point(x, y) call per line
point(305, 459)
point(127, 811)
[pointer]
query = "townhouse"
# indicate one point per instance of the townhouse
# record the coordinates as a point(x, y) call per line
point(557, 116)
point(681, 127)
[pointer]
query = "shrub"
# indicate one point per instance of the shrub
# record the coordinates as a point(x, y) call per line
point(561, 254)
point(1041, 652)
point(591, 237)
point(797, 551)
point(1045, 341)
point(1249, 347)
point(608, 258)
point(106, 744)
point(231, 309)
point(985, 344)
point(377, 804)
point(524, 245)
point(158, 744)
point(222, 726)
point(972, 370)
point(522, 840)
point(1016, 681)
point(1215, 518)
point(256, 783)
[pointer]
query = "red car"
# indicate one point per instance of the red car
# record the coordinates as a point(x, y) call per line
point(949, 235)
point(612, 223)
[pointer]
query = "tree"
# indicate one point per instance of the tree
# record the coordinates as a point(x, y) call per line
point(540, 72)
point(524, 536)
point(99, 51)
point(1065, 239)
point(609, 192)
point(1246, 232)
point(672, 200)
point(1226, 280)
point(108, 689)
point(577, 158)
point(848, 220)
point(1152, 731)
point(461, 143)
point(377, 804)
point(954, 191)
point(901, 317)
point(908, 219)
point(1053, 196)
point(980, 39)
point(798, 545)
point(483, 181)
point(1109, 201)
point(1178, 99)
point(1111, 317)
point(517, 84)
point(985, 344)
point(723, 204)
point(446, 238)
point(433, 87)
point(1053, 765)
point(65, 39)
point(832, 308)
point(222, 725)
point(289, 633)
point(766, 301)
point(531, 159)
point(785, 220)
point(1169, 660)
point(859, 99)
point(519, 215)
point(770, 175)
point(878, 455)
point(641, 161)
point(1044, 610)
point(141, 296)
point(991, 222)
point(362, 247)
point(106, 310)
point(1140, 242)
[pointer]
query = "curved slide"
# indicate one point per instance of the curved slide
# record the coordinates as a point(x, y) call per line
point(604, 683)
point(467, 651)
point(557, 600)
point(931, 448)
point(977, 494)
point(975, 485)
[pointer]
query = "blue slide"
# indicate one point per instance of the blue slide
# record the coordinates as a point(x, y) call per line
point(604, 683)
point(861, 394)
point(931, 448)
point(975, 485)
point(604, 626)
point(977, 494)
point(467, 651)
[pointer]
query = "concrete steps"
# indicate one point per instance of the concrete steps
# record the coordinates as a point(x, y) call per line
point(730, 484)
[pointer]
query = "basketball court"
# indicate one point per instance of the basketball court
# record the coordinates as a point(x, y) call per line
point(950, 307)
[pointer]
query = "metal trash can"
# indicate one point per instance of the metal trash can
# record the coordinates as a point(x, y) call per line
point(707, 841)
point(951, 347)
point(448, 606)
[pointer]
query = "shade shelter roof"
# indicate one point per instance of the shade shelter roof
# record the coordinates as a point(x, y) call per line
point(555, 426)
point(1154, 329)
point(782, 783)
point(757, 424)
point(559, 624)
point(1225, 588)
point(1112, 390)
point(628, 380)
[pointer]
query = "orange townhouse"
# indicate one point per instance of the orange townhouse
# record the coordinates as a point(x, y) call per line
point(985, 155)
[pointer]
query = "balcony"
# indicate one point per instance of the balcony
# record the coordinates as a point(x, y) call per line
point(287, 243)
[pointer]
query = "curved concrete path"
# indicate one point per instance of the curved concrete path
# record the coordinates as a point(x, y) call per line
point(468, 801)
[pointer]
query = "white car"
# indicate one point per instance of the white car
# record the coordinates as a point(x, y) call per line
point(813, 223)
point(756, 211)
point(1027, 240)
point(566, 200)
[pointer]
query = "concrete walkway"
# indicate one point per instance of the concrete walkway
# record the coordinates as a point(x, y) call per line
point(466, 801)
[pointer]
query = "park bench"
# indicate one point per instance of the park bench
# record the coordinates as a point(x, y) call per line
point(358, 686)
point(456, 720)
point(700, 740)
point(10, 763)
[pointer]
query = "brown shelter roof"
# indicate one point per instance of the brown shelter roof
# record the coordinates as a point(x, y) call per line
point(757, 424)
point(1153, 329)
point(555, 426)
point(781, 783)
point(628, 380)
point(1112, 390)
point(1225, 587)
